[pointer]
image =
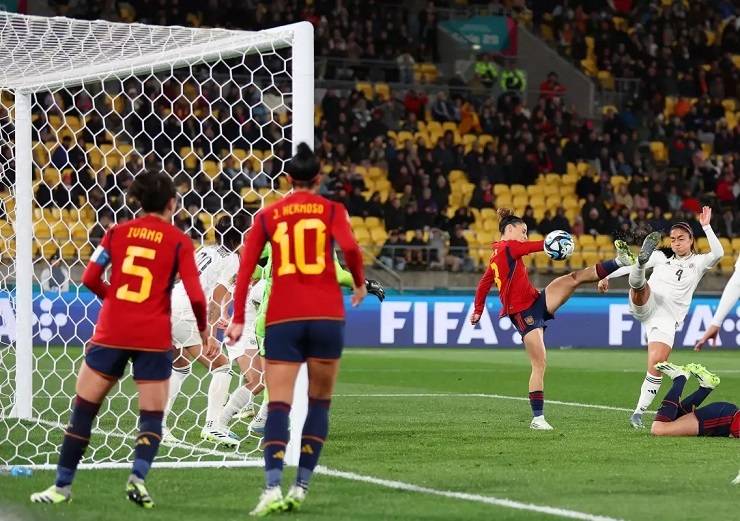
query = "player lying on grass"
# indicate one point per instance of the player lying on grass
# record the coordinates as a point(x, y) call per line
point(134, 324)
point(729, 297)
point(678, 417)
point(305, 318)
point(247, 349)
point(217, 267)
point(528, 308)
point(661, 303)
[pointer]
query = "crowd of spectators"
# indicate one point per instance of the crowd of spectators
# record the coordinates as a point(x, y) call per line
point(674, 48)
point(701, 165)
point(348, 29)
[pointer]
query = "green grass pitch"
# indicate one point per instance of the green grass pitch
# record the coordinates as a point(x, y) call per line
point(440, 438)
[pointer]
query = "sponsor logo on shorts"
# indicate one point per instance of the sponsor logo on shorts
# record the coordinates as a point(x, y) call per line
point(529, 320)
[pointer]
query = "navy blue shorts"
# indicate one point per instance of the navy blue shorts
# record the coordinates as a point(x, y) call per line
point(715, 419)
point(111, 363)
point(301, 339)
point(534, 317)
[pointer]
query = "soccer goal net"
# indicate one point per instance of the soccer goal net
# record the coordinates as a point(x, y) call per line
point(86, 106)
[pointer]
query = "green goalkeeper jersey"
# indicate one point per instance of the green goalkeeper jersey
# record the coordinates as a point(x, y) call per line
point(264, 272)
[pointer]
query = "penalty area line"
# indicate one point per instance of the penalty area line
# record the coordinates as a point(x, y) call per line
point(475, 498)
point(483, 395)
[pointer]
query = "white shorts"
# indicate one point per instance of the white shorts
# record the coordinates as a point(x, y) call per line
point(184, 332)
point(248, 342)
point(660, 325)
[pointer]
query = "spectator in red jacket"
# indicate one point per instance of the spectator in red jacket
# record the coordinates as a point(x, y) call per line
point(551, 87)
point(724, 188)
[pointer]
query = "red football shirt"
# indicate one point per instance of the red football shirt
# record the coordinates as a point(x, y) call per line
point(145, 254)
point(301, 228)
point(507, 270)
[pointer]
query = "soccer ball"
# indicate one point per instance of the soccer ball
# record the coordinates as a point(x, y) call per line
point(559, 245)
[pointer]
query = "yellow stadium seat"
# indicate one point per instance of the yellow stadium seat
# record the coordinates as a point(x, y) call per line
point(658, 149)
point(499, 189)
point(456, 176)
point(702, 244)
point(378, 235)
point(366, 89)
point(551, 190)
point(553, 201)
point(211, 168)
point(537, 201)
point(726, 245)
point(503, 201)
point(729, 104)
point(727, 264)
point(570, 179)
point(449, 125)
point(542, 263)
point(535, 190)
point(576, 261)
point(484, 139)
point(383, 91)
point(488, 213)
point(52, 177)
point(372, 222)
point(362, 236)
point(604, 241)
point(520, 201)
point(587, 242)
point(518, 190)
point(357, 222)
point(553, 179)
point(490, 225)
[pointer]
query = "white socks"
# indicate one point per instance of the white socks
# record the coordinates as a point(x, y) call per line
point(217, 391)
point(648, 392)
point(637, 276)
point(179, 374)
point(237, 401)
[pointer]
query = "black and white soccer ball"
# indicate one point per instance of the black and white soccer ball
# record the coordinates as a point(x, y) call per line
point(559, 245)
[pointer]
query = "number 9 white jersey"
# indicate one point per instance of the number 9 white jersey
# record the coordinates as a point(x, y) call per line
point(216, 265)
point(674, 280)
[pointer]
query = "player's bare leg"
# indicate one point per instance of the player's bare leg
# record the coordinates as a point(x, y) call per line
point(657, 351)
point(534, 344)
point(562, 288)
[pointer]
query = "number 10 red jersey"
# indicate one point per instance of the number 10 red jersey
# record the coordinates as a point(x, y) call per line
point(301, 228)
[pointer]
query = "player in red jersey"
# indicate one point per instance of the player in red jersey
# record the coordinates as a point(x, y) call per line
point(305, 317)
point(528, 308)
point(145, 255)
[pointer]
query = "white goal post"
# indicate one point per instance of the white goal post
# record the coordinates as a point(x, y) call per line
point(85, 105)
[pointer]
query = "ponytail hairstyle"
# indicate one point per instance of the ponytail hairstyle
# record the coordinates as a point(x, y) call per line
point(303, 167)
point(506, 217)
point(686, 227)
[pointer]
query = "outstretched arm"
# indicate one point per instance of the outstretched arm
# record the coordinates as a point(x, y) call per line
point(715, 247)
point(726, 303)
point(520, 249)
point(484, 286)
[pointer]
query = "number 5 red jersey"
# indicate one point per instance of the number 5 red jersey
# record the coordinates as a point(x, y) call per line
point(301, 228)
point(145, 255)
point(509, 273)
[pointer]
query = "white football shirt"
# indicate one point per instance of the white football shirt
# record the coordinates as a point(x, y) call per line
point(216, 265)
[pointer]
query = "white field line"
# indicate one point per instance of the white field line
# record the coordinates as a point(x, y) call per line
point(489, 500)
point(237, 461)
point(241, 458)
point(483, 395)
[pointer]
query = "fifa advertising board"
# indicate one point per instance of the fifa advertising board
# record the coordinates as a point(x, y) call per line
point(416, 321)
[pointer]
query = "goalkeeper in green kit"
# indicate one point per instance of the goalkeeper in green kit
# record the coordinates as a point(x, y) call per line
point(249, 350)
